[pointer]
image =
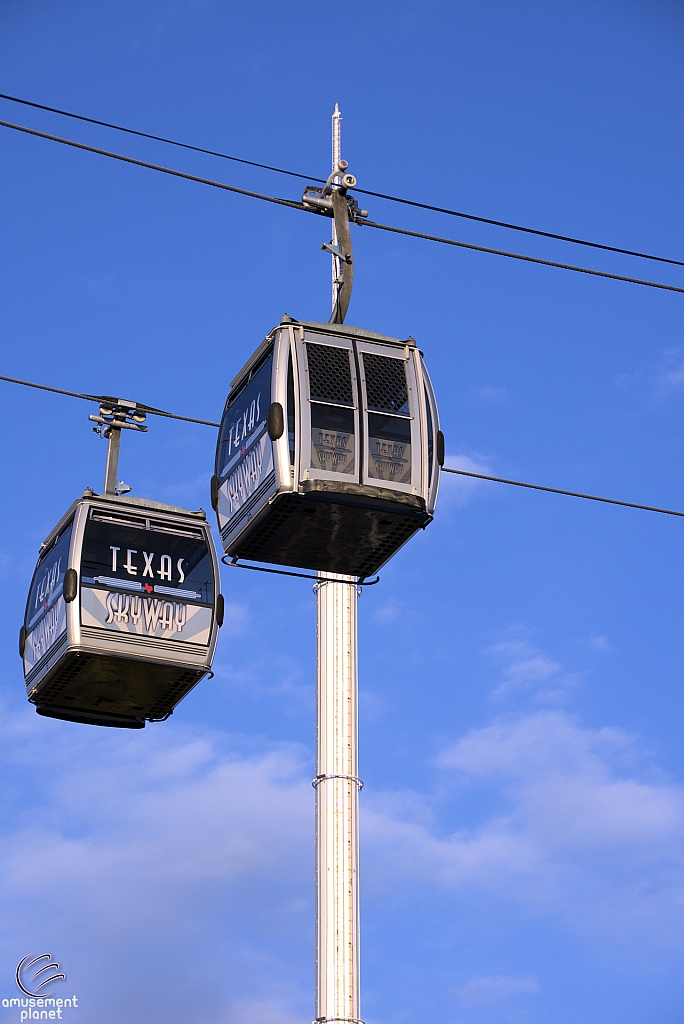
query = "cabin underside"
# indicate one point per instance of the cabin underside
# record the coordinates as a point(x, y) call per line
point(330, 531)
point(102, 689)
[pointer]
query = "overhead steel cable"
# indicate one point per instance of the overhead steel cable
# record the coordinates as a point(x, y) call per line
point(108, 398)
point(300, 206)
point(519, 227)
point(159, 138)
point(557, 490)
point(154, 167)
point(363, 191)
point(519, 256)
point(445, 469)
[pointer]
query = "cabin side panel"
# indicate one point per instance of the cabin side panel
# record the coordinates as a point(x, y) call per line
point(244, 453)
point(46, 610)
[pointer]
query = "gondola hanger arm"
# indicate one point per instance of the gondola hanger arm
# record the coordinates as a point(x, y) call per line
point(361, 582)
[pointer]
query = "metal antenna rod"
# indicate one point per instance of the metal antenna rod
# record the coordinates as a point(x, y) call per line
point(337, 784)
point(336, 157)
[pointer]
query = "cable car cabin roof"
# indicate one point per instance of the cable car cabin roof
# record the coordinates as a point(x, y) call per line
point(118, 500)
point(326, 456)
point(343, 330)
point(114, 634)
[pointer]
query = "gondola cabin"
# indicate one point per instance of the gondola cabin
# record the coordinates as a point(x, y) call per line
point(123, 613)
point(329, 450)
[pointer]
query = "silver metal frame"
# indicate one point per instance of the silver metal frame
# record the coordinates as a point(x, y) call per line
point(289, 339)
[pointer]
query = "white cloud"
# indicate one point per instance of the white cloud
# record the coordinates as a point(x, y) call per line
point(459, 490)
point(492, 990)
point(527, 670)
point(660, 379)
point(194, 849)
point(141, 851)
point(387, 613)
point(236, 618)
point(574, 835)
point(491, 394)
point(668, 378)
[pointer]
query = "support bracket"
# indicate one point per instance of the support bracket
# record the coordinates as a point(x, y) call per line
point(113, 417)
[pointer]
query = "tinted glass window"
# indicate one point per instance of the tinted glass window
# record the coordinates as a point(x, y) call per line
point(332, 438)
point(244, 419)
point(430, 440)
point(290, 410)
point(48, 579)
point(154, 561)
point(389, 446)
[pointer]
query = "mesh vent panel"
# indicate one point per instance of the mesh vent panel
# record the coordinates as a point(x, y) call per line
point(386, 388)
point(59, 682)
point(172, 696)
point(329, 374)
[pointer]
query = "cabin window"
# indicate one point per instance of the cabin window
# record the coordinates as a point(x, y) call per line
point(389, 421)
point(430, 437)
point(333, 440)
point(290, 409)
point(48, 579)
point(329, 374)
point(386, 385)
point(244, 419)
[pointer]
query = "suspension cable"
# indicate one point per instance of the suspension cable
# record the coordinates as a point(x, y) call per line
point(300, 206)
point(108, 398)
point(445, 469)
point(557, 490)
point(154, 167)
point(366, 192)
point(519, 256)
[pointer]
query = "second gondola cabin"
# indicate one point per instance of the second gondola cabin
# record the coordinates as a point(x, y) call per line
point(329, 450)
point(123, 613)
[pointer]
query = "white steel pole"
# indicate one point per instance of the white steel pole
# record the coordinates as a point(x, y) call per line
point(337, 783)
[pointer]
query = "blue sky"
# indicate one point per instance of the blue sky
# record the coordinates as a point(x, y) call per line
point(521, 661)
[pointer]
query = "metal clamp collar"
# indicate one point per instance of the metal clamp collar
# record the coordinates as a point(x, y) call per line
point(329, 1020)
point(359, 783)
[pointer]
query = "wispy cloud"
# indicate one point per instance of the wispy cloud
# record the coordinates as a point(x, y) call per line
point(569, 832)
point(388, 612)
point(491, 394)
point(195, 848)
point(132, 846)
point(459, 490)
point(491, 991)
point(525, 669)
point(668, 377)
point(661, 378)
